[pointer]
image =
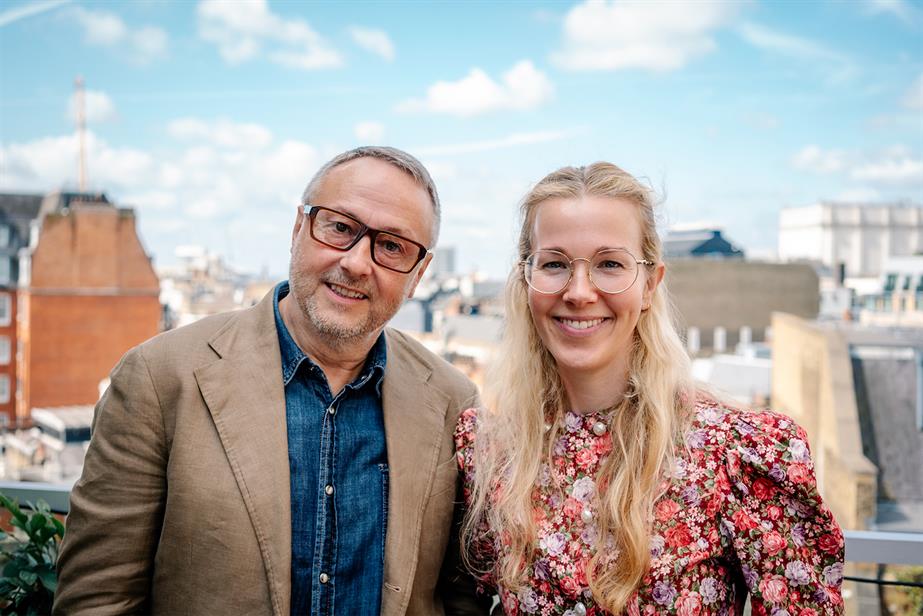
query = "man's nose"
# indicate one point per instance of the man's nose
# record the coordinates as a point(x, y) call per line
point(358, 259)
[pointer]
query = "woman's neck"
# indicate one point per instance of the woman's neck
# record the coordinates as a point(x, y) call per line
point(590, 392)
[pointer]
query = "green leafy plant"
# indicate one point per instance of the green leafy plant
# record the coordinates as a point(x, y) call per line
point(27, 557)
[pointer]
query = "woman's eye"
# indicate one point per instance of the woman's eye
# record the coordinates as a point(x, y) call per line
point(552, 265)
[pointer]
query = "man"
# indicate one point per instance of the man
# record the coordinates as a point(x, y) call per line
point(292, 458)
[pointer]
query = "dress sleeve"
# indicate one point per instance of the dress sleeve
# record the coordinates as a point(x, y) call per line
point(789, 546)
point(479, 548)
point(464, 446)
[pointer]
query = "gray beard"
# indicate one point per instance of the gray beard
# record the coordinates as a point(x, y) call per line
point(336, 334)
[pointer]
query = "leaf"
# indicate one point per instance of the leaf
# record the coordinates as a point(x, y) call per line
point(29, 577)
point(12, 568)
point(49, 580)
point(59, 526)
point(36, 523)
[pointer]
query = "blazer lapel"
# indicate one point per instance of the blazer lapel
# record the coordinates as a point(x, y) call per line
point(414, 417)
point(244, 394)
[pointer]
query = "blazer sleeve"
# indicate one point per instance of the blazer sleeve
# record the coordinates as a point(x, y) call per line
point(459, 590)
point(116, 507)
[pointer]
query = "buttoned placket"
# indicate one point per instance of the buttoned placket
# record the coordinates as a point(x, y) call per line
point(325, 548)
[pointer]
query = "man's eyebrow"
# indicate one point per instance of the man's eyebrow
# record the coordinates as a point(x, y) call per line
point(405, 233)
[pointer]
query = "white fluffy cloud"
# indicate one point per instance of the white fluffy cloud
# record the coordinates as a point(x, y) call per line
point(221, 133)
point(51, 162)
point(244, 28)
point(369, 132)
point(610, 34)
point(522, 87)
point(98, 106)
point(892, 171)
point(230, 187)
point(375, 41)
point(901, 9)
point(106, 29)
point(214, 169)
point(896, 167)
point(816, 160)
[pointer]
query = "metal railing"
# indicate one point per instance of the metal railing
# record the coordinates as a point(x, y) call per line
point(861, 546)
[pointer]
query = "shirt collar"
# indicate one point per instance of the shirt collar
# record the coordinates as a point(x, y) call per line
point(293, 356)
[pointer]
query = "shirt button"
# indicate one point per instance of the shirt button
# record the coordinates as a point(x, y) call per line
point(580, 609)
point(329, 490)
point(331, 410)
point(324, 578)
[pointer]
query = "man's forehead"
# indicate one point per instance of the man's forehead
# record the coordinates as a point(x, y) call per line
point(380, 194)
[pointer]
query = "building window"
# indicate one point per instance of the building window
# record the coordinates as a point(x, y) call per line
point(6, 309)
point(5, 350)
point(5, 270)
point(4, 388)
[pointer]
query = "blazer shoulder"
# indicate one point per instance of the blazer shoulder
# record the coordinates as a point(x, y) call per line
point(443, 375)
point(181, 338)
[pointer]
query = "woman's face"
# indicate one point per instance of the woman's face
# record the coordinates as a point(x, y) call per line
point(589, 332)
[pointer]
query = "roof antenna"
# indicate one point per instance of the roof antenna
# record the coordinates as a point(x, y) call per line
point(80, 104)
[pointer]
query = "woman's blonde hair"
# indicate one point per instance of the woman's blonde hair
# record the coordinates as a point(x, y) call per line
point(523, 392)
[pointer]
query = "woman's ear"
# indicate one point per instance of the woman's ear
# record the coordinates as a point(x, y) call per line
point(651, 283)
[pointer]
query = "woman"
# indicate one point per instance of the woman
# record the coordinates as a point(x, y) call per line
point(601, 480)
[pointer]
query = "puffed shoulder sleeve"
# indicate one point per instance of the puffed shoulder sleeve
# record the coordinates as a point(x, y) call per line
point(789, 546)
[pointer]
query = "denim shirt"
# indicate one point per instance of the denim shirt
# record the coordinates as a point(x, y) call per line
point(339, 482)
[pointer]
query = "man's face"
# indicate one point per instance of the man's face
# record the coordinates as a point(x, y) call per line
point(343, 295)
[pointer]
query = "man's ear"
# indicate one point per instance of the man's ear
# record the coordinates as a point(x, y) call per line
point(299, 221)
point(418, 275)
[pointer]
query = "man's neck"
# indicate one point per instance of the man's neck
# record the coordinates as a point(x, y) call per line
point(341, 361)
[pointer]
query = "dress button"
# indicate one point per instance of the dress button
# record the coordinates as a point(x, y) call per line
point(599, 428)
point(324, 578)
point(329, 490)
point(331, 410)
point(580, 609)
point(586, 515)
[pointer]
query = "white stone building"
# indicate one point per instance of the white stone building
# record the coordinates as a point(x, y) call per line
point(860, 236)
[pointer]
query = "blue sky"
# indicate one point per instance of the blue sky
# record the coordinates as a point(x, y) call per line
point(210, 117)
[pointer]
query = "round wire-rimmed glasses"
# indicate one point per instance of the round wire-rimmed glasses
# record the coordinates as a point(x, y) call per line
point(611, 270)
point(341, 231)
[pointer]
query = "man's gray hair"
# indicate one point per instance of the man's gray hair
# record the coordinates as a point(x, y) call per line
point(399, 158)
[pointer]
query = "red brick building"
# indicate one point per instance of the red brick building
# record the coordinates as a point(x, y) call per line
point(17, 211)
point(89, 295)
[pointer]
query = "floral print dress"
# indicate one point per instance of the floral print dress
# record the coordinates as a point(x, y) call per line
point(741, 513)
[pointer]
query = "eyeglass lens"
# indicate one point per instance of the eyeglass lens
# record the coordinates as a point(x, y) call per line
point(340, 231)
point(612, 271)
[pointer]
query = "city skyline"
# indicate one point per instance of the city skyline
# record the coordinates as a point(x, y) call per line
point(209, 118)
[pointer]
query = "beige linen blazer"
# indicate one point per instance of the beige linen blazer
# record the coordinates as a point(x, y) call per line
point(184, 502)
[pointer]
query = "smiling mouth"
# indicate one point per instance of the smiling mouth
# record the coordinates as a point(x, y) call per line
point(580, 323)
point(344, 292)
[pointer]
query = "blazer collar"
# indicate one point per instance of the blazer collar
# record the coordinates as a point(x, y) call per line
point(414, 417)
point(245, 396)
